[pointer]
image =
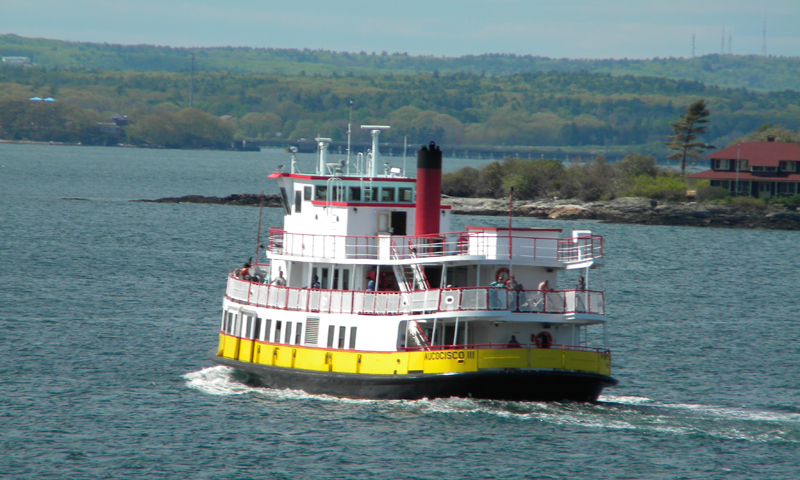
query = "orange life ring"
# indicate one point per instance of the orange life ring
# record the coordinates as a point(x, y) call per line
point(503, 272)
point(544, 340)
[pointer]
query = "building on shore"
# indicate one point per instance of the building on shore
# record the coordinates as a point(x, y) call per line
point(758, 169)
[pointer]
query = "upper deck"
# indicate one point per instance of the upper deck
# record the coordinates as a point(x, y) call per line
point(521, 246)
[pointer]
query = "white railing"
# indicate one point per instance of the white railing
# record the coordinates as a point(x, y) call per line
point(396, 303)
point(478, 243)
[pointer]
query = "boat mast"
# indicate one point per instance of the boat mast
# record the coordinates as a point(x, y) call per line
point(349, 131)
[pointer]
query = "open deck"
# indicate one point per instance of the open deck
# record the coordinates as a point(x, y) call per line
point(450, 300)
point(489, 245)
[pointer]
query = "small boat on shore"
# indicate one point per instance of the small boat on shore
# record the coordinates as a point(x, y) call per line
point(364, 292)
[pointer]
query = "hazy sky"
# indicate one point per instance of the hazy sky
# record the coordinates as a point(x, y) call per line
point(551, 28)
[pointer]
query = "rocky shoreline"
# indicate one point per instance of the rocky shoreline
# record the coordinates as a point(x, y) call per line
point(639, 211)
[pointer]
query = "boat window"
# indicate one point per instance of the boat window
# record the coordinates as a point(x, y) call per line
point(342, 332)
point(321, 192)
point(247, 325)
point(324, 281)
point(335, 279)
point(371, 194)
point(257, 329)
point(222, 323)
point(405, 195)
point(265, 333)
point(345, 279)
point(285, 202)
point(312, 331)
point(355, 194)
point(298, 335)
point(337, 194)
point(353, 337)
point(331, 331)
point(288, 339)
point(307, 193)
point(298, 201)
point(229, 324)
point(387, 195)
point(277, 338)
point(237, 325)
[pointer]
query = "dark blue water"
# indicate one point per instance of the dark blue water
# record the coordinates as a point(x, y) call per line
point(107, 309)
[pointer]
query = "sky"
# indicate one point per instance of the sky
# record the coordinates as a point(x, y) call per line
point(576, 29)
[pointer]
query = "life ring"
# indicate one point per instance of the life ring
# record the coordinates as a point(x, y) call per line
point(544, 340)
point(503, 272)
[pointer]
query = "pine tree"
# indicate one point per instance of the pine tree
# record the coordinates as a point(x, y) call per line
point(686, 130)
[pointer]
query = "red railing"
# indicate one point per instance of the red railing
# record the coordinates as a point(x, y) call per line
point(475, 243)
point(462, 299)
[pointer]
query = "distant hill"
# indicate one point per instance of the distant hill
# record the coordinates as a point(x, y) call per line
point(732, 71)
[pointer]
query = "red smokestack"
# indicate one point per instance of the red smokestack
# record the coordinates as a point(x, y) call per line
point(429, 190)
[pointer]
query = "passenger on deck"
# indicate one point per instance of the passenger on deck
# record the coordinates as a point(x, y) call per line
point(315, 283)
point(581, 284)
point(513, 343)
point(370, 285)
point(246, 271)
point(498, 283)
point(545, 286)
point(511, 283)
point(280, 281)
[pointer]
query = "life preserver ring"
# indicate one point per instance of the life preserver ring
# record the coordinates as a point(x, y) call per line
point(544, 340)
point(502, 272)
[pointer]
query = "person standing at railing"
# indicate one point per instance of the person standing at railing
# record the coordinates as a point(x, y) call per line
point(511, 285)
point(544, 287)
point(494, 294)
point(580, 304)
point(280, 281)
point(370, 285)
point(315, 283)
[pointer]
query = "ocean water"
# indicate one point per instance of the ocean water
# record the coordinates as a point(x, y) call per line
point(108, 307)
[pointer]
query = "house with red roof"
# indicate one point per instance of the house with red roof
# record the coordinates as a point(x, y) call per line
point(759, 169)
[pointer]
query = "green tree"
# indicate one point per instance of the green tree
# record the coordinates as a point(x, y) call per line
point(687, 129)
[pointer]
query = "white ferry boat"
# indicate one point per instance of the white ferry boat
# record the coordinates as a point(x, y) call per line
point(366, 293)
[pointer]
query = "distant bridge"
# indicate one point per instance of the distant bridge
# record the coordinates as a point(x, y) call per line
point(448, 151)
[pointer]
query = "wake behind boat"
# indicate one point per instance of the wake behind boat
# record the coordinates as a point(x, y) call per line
point(365, 293)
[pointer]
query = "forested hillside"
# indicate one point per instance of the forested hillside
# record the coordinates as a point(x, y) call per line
point(532, 109)
point(751, 71)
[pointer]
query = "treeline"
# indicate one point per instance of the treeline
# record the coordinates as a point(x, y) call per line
point(64, 123)
point(635, 175)
point(748, 71)
point(533, 109)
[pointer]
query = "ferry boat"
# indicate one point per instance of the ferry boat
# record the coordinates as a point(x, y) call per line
point(366, 293)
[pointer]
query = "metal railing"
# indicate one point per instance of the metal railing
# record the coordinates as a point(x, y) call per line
point(467, 299)
point(475, 243)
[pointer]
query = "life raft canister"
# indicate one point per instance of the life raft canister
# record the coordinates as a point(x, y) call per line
point(544, 340)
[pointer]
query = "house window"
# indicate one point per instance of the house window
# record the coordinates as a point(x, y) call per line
point(744, 165)
point(785, 166)
point(721, 164)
